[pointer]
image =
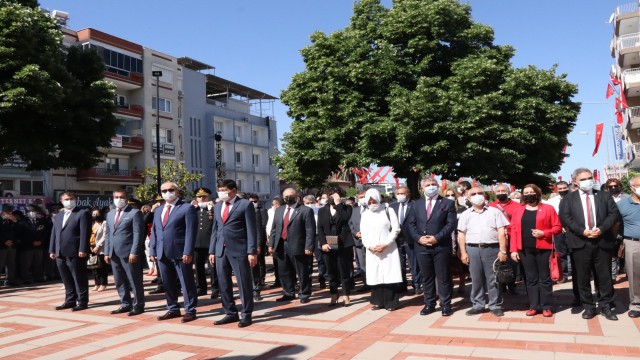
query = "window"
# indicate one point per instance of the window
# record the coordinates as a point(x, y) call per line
point(255, 136)
point(273, 185)
point(165, 104)
point(28, 187)
point(218, 127)
point(112, 164)
point(238, 157)
point(166, 136)
point(257, 187)
point(256, 159)
point(238, 133)
point(239, 183)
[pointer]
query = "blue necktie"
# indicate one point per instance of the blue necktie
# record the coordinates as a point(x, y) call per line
point(401, 213)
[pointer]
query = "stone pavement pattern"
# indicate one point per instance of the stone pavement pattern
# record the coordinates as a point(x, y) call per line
point(30, 328)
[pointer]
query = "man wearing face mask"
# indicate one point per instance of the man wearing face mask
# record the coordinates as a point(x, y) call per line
point(507, 207)
point(630, 213)
point(310, 202)
point(463, 188)
point(173, 236)
point(562, 188)
point(292, 241)
point(204, 207)
point(259, 270)
point(124, 239)
point(40, 231)
point(614, 187)
point(430, 222)
point(354, 225)
point(406, 248)
point(588, 218)
point(482, 239)
point(69, 246)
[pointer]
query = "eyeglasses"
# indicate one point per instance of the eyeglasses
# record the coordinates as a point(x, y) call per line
point(613, 186)
point(476, 193)
point(168, 190)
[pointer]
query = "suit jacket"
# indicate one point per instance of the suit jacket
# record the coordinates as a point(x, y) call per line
point(74, 237)
point(205, 226)
point(402, 237)
point(178, 236)
point(354, 224)
point(301, 230)
point(127, 237)
point(261, 224)
point(546, 220)
point(441, 224)
point(343, 214)
point(237, 235)
point(572, 219)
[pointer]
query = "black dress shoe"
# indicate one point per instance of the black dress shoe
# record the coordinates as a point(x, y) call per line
point(65, 306)
point(497, 312)
point(419, 290)
point(323, 284)
point(79, 308)
point(169, 315)
point(285, 298)
point(228, 319)
point(427, 310)
point(215, 294)
point(135, 311)
point(158, 290)
point(155, 280)
point(257, 296)
point(589, 314)
point(188, 317)
point(473, 311)
point(245, 322)
point(634, 314)
point(446, 311)
point(201, 292)
point(304, 300)
point(121, 309)
point(608, 314)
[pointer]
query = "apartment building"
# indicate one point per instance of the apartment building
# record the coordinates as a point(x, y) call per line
point(625, 49)
point(230, 131)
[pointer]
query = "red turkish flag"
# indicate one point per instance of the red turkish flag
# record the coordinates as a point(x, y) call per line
point(596, 175)
point(610, 91)
point(599, 130)
point(619, 117)
point(614, 80)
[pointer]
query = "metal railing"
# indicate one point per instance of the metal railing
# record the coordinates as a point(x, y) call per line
point(628, 41)
point(627, 8)
point(113, 172)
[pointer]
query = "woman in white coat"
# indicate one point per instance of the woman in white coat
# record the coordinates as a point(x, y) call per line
point(379, 228)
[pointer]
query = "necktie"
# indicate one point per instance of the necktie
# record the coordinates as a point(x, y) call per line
point(66, 217)
point(285, 224)
point(166, 215)
point(589, 212)
point(118, 218)
point(401, 213)
point(429, 210)
point(225, 212)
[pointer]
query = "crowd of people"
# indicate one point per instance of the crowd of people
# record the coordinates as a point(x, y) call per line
point(396, 245)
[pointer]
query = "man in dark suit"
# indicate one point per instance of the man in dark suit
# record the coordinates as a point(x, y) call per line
point(354, 225)
point(292, 241)
point(259, 270)
point(405, 248)
point(69, 246)
point(124, 237)
point(204, 207)
point(234, 249)
point(430, 223)
point(171, 246)
point(588, 218)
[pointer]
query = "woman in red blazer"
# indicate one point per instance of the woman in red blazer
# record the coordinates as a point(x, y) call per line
point(531, 241)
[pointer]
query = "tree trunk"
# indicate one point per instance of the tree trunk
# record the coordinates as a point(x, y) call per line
point(413, 183)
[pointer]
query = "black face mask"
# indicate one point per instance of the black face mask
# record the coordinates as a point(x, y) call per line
point(563, 193)
point(615, 191)
point(289, 200)
point(331, 201)
point(502, 197)
point(468, 203)
point(530, 198)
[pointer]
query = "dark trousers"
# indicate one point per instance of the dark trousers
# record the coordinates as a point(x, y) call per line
point(538, 279)
point(128, 275)
point(434, 265)
point(73, 272)
point(8, 260)
point(410, 254)
point(31, 265)
point(339, 268)
point(201, 258)
point(101, 274)
point(291, 265)
point(593, 257)
point(226, 264)
point(171, 270)
point(386, 296)
point(361, 257)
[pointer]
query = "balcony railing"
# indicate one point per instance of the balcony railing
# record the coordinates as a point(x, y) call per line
point(105, 174)
point(130, 109)
point(627, 8)
point(628, 41)
point(128, 76)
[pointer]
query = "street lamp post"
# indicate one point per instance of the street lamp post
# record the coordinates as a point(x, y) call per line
point(157, 75)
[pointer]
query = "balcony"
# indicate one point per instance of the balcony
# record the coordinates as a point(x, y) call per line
point(633, 116)
point(626, 11)
point(124, 80)
point(124, 144)
point(134, 110)
point(110, 176)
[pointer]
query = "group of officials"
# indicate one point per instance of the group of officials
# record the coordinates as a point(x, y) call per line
point(429, 231)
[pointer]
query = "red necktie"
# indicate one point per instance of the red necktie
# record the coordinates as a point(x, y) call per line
point(429, 210)
point(225, 212)
point(589, 212)
point(166, 215)
point(118, 218)
point(285, 224)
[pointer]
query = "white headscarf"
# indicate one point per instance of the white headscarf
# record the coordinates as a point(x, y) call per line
point(375, 195)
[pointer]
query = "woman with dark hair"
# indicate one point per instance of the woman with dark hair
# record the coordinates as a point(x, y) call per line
point(98, 233)
point(336, 243)
point(531, 241)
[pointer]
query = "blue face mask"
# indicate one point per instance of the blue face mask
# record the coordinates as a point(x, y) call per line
point(430, 190)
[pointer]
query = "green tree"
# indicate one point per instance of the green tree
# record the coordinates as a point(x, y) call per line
point(169, 171)
point(422, 88)
point(55, 107)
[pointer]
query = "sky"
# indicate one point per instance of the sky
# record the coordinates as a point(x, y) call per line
point(257, 43)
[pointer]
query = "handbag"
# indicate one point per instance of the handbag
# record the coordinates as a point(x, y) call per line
point(555, 264)
point(504, 272)
point(332, 241)
point(93, 262)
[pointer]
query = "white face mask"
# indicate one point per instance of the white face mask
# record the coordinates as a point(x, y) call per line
point(374, 207)
point(401, 198)
point(451, 197)
point(637, 191)
point(312, 206)
point(460, 190)
point(169, 196)
point(586, 185)
point(362, 202)
point(255, 205)
point(202, 205)
point(223, 195)
point(323, 202)
point(477, 200)
point(69, 204)
point(32, 214)
point(430, 190)
point(119, 203)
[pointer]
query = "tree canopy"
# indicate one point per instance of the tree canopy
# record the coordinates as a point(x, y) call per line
point(169, 171)
point(422, 87)
point(55, 107)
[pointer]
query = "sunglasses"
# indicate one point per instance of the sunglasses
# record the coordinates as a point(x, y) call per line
point(167, 190)
point(613, 186)
point(201, 196)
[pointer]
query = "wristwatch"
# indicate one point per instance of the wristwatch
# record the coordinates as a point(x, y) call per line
point(503, 252)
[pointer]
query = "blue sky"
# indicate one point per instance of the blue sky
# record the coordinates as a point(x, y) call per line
point(257, 43)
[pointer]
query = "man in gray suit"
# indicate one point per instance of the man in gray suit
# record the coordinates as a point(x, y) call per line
point(354, 225)
point(124, 237)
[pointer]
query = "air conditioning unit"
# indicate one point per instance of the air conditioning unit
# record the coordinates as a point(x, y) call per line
point(179, 122)
point(130, 189)
point(180, 94)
